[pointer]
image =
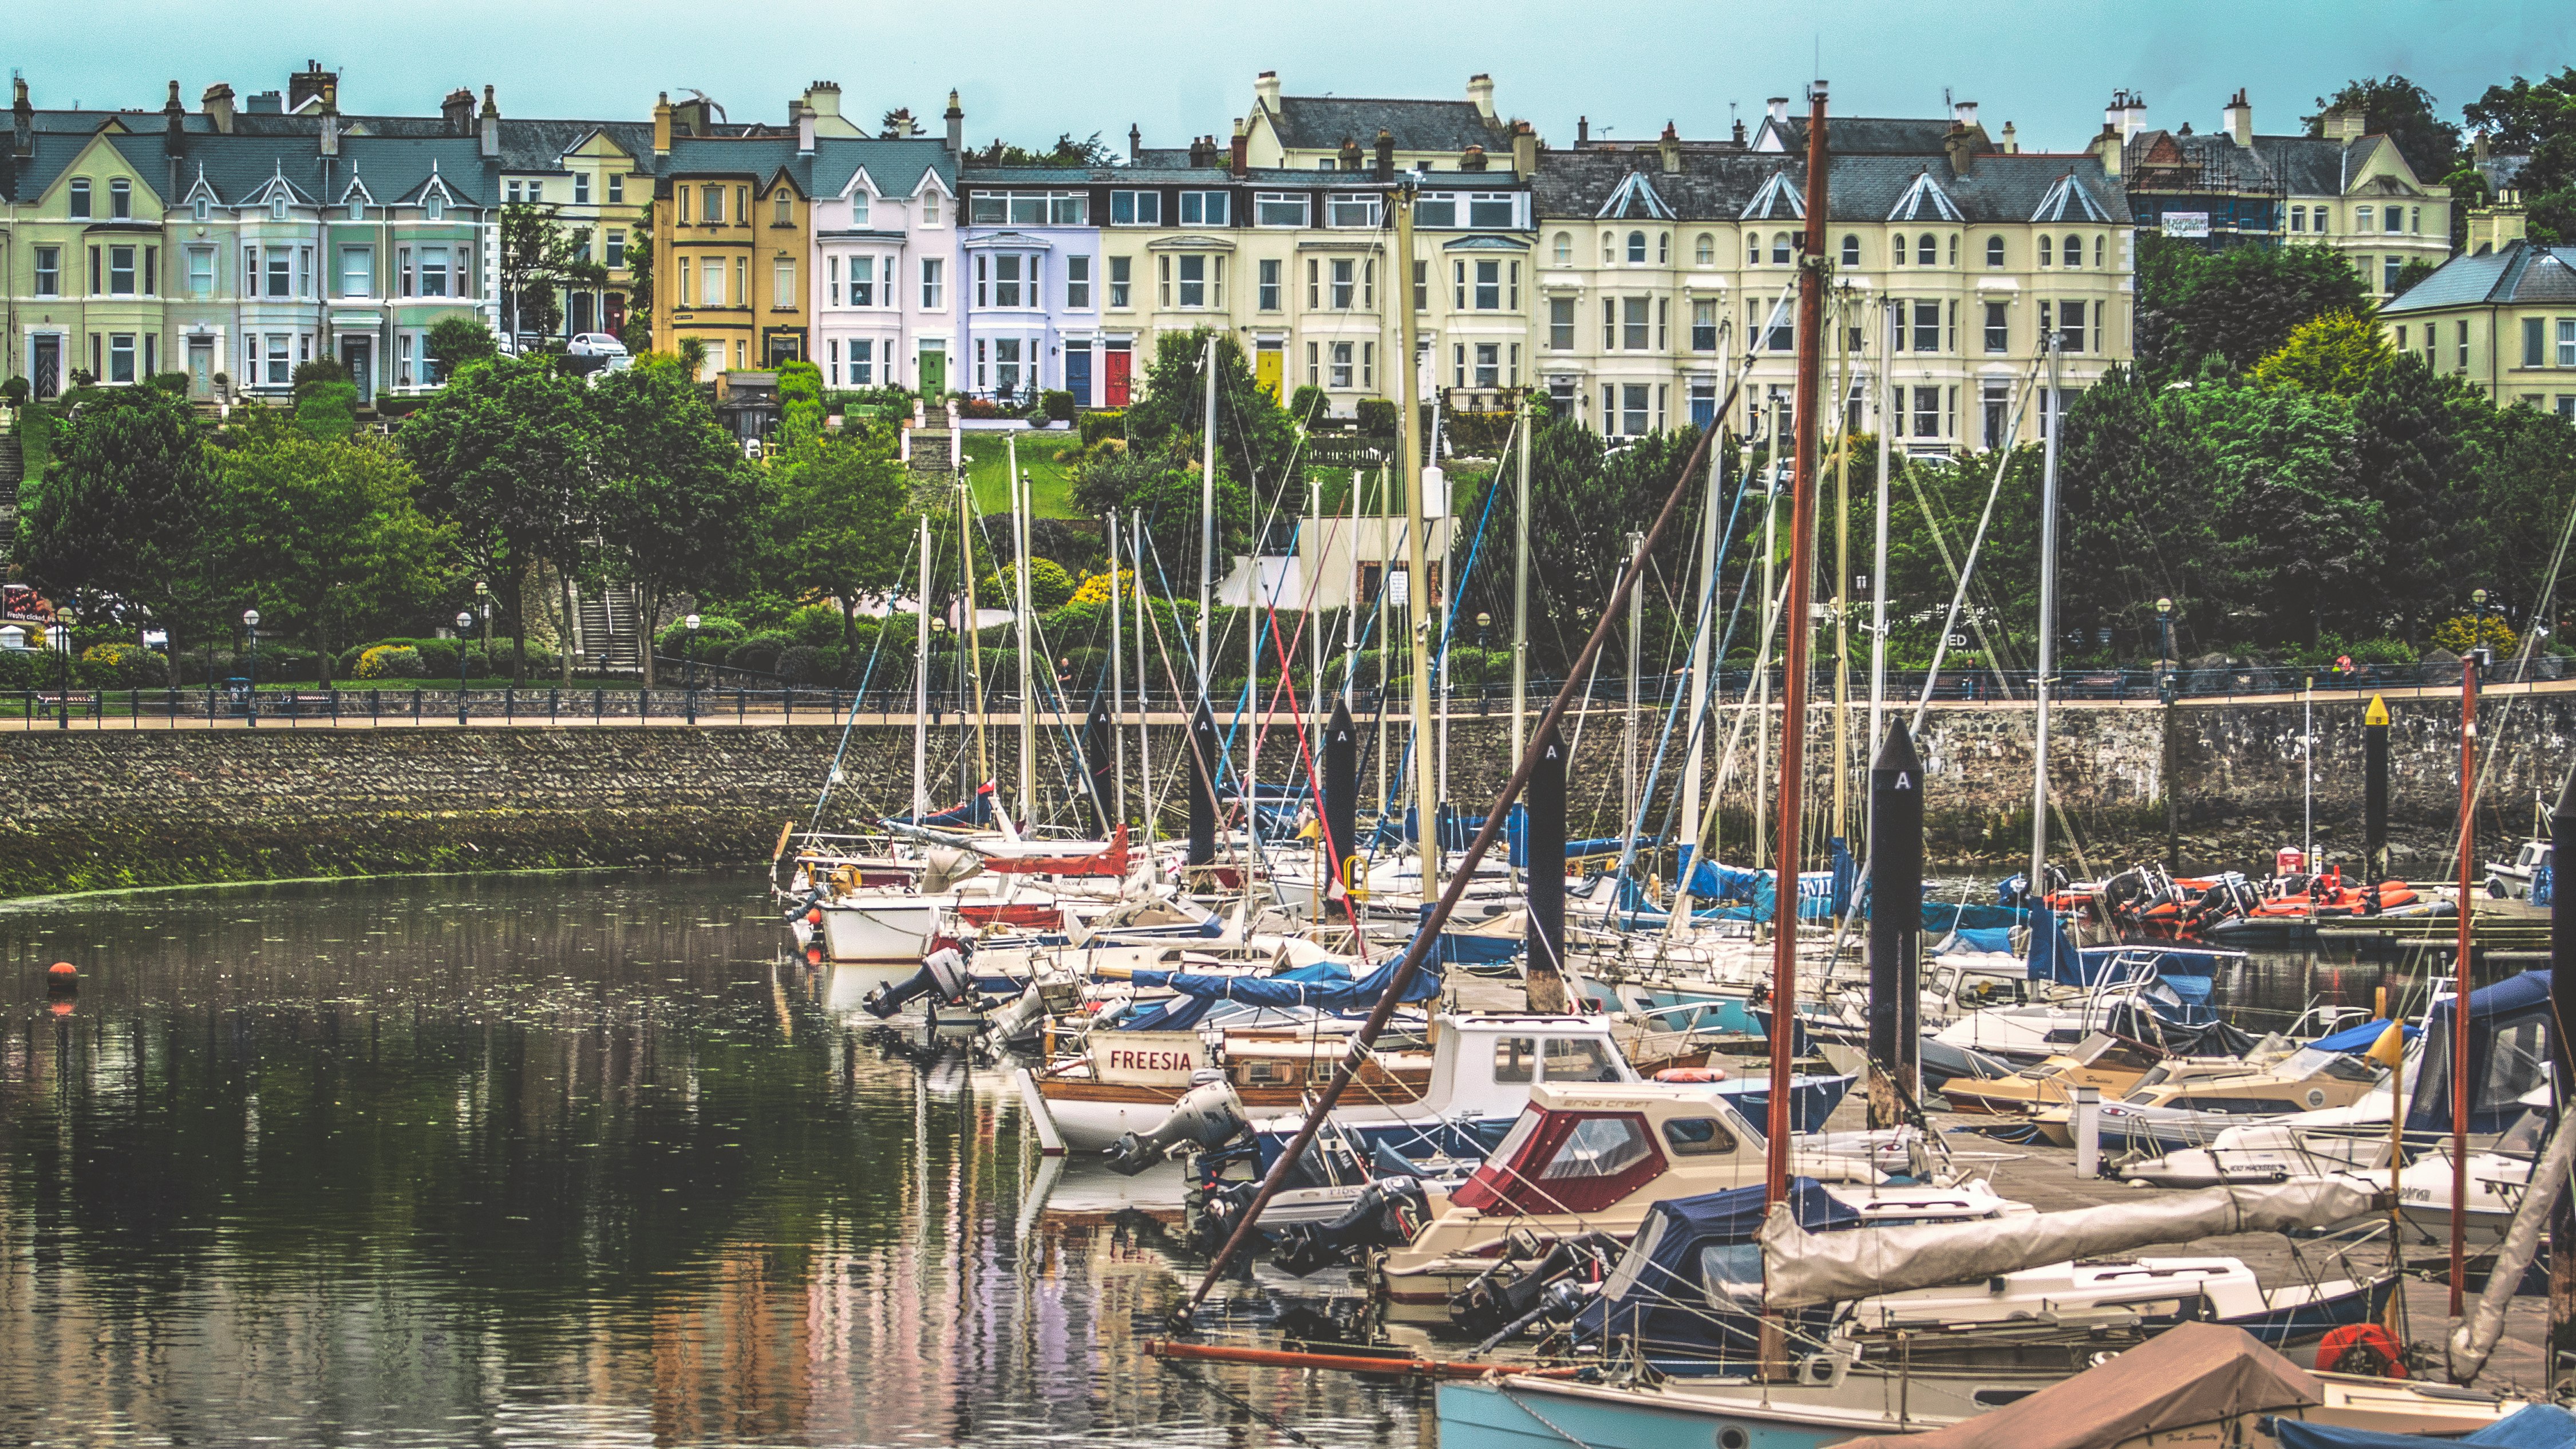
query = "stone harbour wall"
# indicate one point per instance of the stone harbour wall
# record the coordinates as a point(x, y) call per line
point(94, 809)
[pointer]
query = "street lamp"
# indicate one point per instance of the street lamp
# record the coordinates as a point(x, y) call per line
point(2479, 657)
point(464, 634)
point(63, 671)
point(250, 696)
point(690, 662)
point(483, 606)
point(1484, 622)
point(2164, 636)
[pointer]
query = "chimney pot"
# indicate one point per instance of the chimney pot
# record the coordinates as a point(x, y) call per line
point(1779, 108)
point(1265, 88)
point(1964, 113)
point(661, 123)
point(1242, 148)
point(956, 125)
point(1582, 131)
point(1384, 147)
point(1480, 91)
point(218, 106)
point(2238, 120)
point(804, 129)
point(1135, 142)
point(1671, 146)
point(491, 124)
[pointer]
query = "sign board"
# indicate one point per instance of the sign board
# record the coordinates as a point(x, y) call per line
point(2186, 223)
point(1147, 1058)
point(1958, 641)
point(1399, 587)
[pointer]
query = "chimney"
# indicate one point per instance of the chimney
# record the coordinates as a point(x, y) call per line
point(1582, 132)
point(2477, 145)
point(217, 104)
point(1524, 149)
point(1963, 113)
point(661, 122)
point(823, 102)
point(2238, 121)
point(1348, 158)
point(1671, 145)
point(1198, 151)
point(1383, 150)
point(2492, 228)
point(2133, 116)
point(2109, 149)
point(2012, 145)
point(1472, 159)
point(330, 133)
point(491, 125)
point(1480, 93)
point(174, 121)
point(1960, 144)
point(22, 120)
point(2347, 125)
point(312, 84)
point(1242, 148)
point(1779, 108)
point(1135, 142)
point(804, 129)
point(1739, 131)
point(956, 125)
point(456, 113)
point(1265, 89)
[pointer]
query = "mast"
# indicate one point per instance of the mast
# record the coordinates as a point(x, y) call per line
point(1314, 549)
point(1144, 718)
point(1793, 696)
point(921, 681)
point(1117, 668)
point(971, 639)
point(1207, 520)
point(1028, 680)
point(1520, 588)
point(1702, 642)
point(1842, 587)
point(1409, 438)
point(1762, 656)
point(1878, 554)
point(2054, 416)
point(1628, 748)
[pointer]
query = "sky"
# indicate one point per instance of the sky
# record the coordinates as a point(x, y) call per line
point(1178, 68)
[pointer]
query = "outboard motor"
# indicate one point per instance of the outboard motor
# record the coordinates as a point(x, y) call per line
point(1386, 1214)
point(943, 977)
point(1207, 1115)
point(1511, 1290)
point(1016, 1026)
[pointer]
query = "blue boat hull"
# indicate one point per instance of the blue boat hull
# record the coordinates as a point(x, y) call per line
point(1492, 1415)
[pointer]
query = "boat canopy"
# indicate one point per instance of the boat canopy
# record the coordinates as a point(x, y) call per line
point(2189, 1375)
point(2508, 1054)
point(1803, 1267)
point(1691, 1280)
point(2535, 1426)
point(1323, 986)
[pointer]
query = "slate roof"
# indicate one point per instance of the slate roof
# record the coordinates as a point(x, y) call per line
point(240, 167)
point(895, 166)
point(1866, 135)
point(2295, 165)
point(760, 156)
point(1721, 186)
point(1323, 123)
point(2519, 271)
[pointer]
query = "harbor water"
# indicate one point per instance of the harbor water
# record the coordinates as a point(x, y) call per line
point(570, 1159)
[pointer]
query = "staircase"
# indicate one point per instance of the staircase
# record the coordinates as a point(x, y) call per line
point(934, 450)
point(606, 622)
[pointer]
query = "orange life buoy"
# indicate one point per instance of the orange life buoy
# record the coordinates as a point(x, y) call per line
point(1691, 1074)
point(2356, 1347)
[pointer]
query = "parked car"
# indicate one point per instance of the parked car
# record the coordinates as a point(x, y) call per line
point(596, 344)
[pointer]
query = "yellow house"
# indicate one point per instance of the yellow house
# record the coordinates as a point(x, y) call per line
point(85, 261)
point(732, 219)
point(2503, 315)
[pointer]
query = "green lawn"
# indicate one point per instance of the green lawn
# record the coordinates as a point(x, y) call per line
point(1050, 482)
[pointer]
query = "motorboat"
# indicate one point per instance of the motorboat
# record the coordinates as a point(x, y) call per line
point(2187, 1102)
point(2512, 880)
point(2109, 1064)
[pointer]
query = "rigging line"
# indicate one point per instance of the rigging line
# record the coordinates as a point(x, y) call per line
point(2522, 670)
point(1735, 739)
point(834, 773)
point(1941, 646)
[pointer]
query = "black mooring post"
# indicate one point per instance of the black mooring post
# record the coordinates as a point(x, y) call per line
point(2374, 803)
point(1203, 748)
point(1341, 807)
point(2562, 1046)
point(1099, 758)
point(1895, 923)
point(1544, 981)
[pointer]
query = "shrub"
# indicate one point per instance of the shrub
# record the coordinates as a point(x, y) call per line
point(759, 653)
point(13, 391)
point(390, 661)
point(983, 409)
point(123, 666)
point(25, 668)
point(2462, 631)
point(1049, 584)
point(1309, 405)
point(1377, 417)
point(809, 665)
point(437, 657)
point(1095, 589)
point(716, 634)
point(2382, 651)
point(1058, 406)
point(1103, 423)
point(817, 625)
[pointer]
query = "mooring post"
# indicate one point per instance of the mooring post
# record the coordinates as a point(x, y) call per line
point(2562, 1046)
point(1544, 836)
point(2374, 803)
point(1202, 763)
point(1895, 925)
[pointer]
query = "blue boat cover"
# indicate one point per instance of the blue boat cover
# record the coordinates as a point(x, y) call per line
point(1974, 938)
point(977, 810)
point(2361, 1038)
point(1325, 986)
point(2535, 1426)
point(2509, 1017)
point(2053, 955)
point(1943, 916)
point(1669, 1303)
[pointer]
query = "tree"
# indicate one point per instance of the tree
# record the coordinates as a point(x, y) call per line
point(1255, 439)
point(2290, 512)
point(115, 520)
point(898, 124)
point(2401, 110)
point(800, 402)
point(457, 339)
point(2138, 513)
point(322, 534)
point(2337, 354)
point(679, 508)
point(2411, 429)
point(844, 531)
point(2415, 271)
point(506, 454)
point(2237, 306)
point(2537, 122)
point(638, 335)
point(1165, 485)
point(2523, 476)
point(1067, 152)
point(538, 261)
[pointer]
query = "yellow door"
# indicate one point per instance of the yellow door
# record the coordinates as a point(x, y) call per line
point(1267, 364)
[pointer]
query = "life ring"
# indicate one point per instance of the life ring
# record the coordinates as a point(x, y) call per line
point(1691, 1074)
point(2363, 1348)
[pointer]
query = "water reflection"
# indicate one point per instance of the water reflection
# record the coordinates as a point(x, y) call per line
point(556, 1160)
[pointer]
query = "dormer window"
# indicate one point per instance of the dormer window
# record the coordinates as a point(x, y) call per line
point(80, 198)
point(202, 210)
point(435, 208)
point(930, 208)
point(277, 207)
point(357, 209)
point(120, 199)
point(858, 208)
point(778, 216)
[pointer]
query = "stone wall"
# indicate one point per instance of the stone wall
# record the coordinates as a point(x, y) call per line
point(91, 809)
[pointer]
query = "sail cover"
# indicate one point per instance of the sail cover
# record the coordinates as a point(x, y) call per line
point(1801, 1267)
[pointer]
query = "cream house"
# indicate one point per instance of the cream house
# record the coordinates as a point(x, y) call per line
point(2502, 315)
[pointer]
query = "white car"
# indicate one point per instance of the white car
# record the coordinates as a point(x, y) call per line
point(596, 344)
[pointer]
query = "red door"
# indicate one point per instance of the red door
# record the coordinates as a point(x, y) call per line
point(1115, 381)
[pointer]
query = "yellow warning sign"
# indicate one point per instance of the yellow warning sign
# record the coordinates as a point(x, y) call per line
point(2378, 714)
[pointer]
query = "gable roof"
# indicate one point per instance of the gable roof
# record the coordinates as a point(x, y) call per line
point(1323, 123)
point(896, 167)
point(1997, 188)
point(2212, 161)
point(1636, 197)
point(2517, 272)
point(1924, 201)
point(1857, 135)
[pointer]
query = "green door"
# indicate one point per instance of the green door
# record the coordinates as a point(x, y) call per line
point(934, 370)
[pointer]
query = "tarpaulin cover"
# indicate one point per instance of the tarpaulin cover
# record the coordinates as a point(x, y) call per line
point(975, 811)
point(2053, 956)
point(1660, 1294)
point(1803, 1268)
point(2507, 1046)
point(2189, 1375)
point(1941, 916)
point(2361, 1038)
point(1971, 938)
point(2534, 1426)
point(1325, 985)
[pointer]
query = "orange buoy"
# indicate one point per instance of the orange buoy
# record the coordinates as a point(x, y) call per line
point(62, 977)
point(1691, 1074)
point(814, 916)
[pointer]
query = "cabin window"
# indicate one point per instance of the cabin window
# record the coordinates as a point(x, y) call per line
point(1698, 1137)
point(1730, 1276)
point(1582, 1058)
point(1599, 1147)
point(1516, 1059)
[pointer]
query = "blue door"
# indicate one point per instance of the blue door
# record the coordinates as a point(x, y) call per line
point(1077, 372)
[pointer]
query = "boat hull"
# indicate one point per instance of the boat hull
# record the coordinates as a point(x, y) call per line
point(1526, 1413)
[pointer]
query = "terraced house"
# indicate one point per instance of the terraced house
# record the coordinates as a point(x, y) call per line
point(237, 244)
point(1664, 266)
point(732, 236)
point(885, 251)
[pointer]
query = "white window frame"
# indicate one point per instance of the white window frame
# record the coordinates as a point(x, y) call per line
point(1266, 203)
